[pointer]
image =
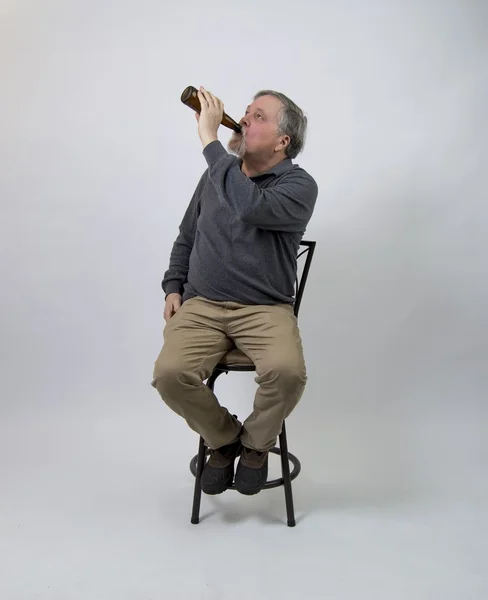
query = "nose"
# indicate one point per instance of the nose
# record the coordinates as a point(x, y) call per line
point(244, 121)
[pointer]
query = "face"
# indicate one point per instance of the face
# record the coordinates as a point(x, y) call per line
point(259, 137)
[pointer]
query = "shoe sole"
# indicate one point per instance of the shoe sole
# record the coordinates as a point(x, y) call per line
point(248, 491)
point(214, 490)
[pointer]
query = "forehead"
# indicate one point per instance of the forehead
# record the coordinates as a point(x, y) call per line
point(268, 104)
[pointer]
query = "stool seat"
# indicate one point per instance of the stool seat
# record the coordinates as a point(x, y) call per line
point(235, 358)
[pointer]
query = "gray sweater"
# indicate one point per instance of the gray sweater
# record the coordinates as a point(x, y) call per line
point(240, 235)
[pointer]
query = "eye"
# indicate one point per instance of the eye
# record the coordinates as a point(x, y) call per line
point(260, 116)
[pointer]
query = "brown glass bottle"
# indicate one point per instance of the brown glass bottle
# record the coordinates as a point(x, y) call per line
point(190, 98)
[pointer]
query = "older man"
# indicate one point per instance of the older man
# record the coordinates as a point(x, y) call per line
point(230, 282)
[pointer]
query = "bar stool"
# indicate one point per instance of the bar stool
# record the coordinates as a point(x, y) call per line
point(235, 360)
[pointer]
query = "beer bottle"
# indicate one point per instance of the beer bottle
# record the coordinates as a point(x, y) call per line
point(190, 98)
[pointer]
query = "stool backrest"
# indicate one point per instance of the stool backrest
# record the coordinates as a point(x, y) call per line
point(309, 248)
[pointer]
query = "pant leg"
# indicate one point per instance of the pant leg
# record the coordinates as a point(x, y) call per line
point(194, 342)
point(269, 335)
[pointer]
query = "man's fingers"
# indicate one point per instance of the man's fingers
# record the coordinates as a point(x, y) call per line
point(211, 99)
point(203, 101)
point(217, 102)
point(168, 311)
point(207, 95)
point(176, 304)
point(219, 105)
point(203, 95)
point(171, 308)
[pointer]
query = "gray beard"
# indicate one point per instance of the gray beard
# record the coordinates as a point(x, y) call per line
point(237, 145)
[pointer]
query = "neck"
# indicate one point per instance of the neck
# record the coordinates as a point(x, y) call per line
point(252, 166)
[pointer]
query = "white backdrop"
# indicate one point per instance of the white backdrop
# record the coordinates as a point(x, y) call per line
point(99, 159)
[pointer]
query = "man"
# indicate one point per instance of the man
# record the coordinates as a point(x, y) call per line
point(230, 283)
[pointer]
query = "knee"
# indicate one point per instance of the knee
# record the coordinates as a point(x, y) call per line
point(285, 372)
point(170, 375)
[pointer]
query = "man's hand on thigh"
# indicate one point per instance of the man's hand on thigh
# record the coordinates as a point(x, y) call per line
point(173, 303)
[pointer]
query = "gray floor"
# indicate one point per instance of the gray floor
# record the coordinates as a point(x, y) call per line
point(96, 506)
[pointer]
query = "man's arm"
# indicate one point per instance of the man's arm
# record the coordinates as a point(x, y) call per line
point(177, 273)
point(286, 206)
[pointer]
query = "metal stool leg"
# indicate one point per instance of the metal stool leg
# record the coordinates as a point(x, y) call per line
point(285, 469)
point(197, 494)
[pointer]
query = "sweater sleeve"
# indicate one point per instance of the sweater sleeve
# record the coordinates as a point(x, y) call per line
point(286, 206)
point(177, 273)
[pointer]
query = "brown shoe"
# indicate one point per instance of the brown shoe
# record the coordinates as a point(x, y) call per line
point(252, 471)
point(218, 472)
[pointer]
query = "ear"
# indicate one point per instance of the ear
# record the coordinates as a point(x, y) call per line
point(283, 143)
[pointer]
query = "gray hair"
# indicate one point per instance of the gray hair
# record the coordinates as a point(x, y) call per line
point(292, 122)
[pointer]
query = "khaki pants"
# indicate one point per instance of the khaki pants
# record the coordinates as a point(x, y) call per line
point(196, 338)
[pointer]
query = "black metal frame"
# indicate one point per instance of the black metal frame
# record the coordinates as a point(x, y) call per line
point(198, 462)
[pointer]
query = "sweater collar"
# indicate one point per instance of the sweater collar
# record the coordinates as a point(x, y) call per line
point(280, 168)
